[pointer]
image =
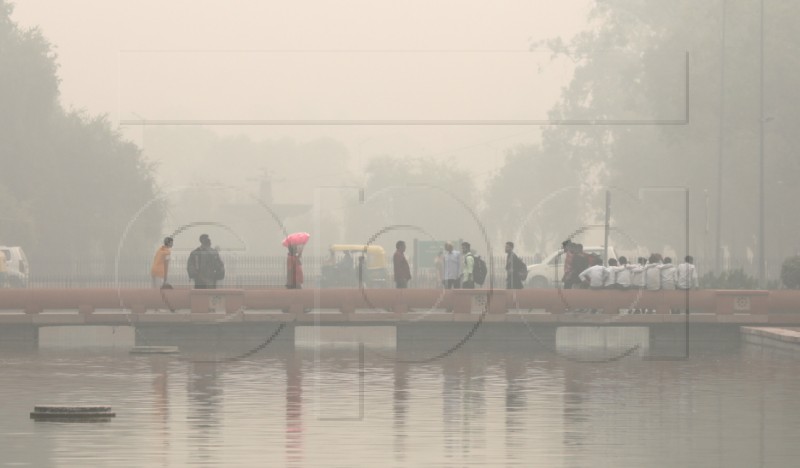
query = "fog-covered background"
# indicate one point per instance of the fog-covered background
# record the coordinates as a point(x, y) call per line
point(123, 122)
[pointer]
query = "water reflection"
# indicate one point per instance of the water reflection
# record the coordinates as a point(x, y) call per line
point(400, 409)
point(294, 410)
point(204, 394)
point(515, 404)
point(160, 371)
point(575, 417)
point(480, 408)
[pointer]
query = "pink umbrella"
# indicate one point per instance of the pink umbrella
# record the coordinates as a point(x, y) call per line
point(297, 238)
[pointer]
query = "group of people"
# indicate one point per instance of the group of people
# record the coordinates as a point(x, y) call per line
point(457, 270)
point(204, 266)
point(582, 270)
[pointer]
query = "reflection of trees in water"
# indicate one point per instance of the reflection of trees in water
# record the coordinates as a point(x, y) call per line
point(204, 395)
point(294, 409)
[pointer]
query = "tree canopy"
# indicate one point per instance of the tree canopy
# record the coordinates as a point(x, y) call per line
point(630, 72)
point(69, 183)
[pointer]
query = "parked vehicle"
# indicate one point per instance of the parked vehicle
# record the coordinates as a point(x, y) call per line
point(17, 267)
point(342, 269)
point(548, 274)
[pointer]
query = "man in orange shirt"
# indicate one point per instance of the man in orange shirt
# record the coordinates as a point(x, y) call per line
point(158, 272)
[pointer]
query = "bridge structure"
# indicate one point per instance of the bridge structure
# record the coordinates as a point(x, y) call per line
point(419, 316)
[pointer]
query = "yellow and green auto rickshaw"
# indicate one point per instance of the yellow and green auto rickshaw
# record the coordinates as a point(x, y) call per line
point(352, 264)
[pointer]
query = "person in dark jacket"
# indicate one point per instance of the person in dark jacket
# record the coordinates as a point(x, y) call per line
point(204, 266)
point(514, 268)
point(402, 272)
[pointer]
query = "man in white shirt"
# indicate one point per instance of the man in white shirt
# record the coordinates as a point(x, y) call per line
point(594, 275)
point(686, 274)
point(623, 278)
point(451, 267)
point(667, 274)
point(652, 273)
point(612, 270)
point(637, 273)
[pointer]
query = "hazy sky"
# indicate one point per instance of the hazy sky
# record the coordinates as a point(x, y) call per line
point(363, 60)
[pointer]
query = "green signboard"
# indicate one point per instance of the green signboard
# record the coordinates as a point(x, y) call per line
point(425, 252)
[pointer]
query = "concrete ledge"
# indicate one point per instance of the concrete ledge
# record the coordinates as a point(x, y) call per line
point(777, 338)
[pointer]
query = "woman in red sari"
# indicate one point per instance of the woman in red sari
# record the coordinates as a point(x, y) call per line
point(294, 269)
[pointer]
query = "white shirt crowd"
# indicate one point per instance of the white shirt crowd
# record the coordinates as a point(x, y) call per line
point(651, 275)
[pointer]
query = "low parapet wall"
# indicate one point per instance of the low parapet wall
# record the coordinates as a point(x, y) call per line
point(788, 339)
point(400, 301)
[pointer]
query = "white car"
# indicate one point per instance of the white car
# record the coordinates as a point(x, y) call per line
point(17, 268)
point(548, 274)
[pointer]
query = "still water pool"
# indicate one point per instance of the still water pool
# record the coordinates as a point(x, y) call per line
point(731, 405)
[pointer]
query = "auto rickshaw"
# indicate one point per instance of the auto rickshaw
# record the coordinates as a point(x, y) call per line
point(352, 264)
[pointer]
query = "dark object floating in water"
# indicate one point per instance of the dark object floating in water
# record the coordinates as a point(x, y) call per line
point(72, 413)
point(154, 350)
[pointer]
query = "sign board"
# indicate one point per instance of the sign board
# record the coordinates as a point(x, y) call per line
point(426, 252)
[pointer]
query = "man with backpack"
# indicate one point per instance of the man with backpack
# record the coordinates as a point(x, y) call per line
point(475, 269)
point(467, 280)
point(516, 270)
point(204, 266)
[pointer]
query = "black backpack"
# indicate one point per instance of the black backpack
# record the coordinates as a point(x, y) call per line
point(520, 268)
point(479, 270)
point(580, 262)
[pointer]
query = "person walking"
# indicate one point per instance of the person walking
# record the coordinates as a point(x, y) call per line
point(402, 272)
point(204, 266)
point(467, 280)
point(294, 269)
point(160, 267)
point(451, 267)
point(514, 268)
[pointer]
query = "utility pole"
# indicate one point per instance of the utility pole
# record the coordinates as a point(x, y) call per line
point(607, 226)
point(761, 258)
point(720, 150)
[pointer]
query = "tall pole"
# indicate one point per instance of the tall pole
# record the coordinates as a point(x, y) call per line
point(686, 234)
point(761, 259)
point(607, 227)
point(720, 151)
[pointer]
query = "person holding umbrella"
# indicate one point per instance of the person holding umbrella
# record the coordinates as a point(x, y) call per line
point(294, 267)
